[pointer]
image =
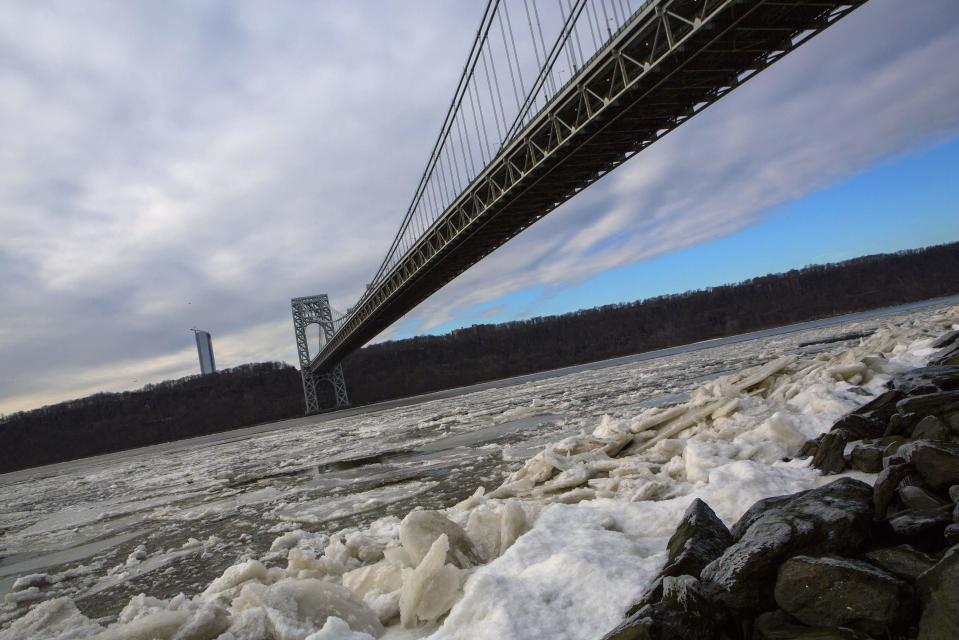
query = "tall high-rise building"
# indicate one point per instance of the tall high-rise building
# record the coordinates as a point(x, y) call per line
point(204, 347)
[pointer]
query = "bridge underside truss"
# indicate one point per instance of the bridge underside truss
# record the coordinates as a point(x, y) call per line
point(672, 59)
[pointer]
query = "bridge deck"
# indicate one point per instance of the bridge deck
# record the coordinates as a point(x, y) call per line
point(672, 59)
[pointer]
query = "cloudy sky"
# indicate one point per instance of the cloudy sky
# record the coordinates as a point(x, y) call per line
point(179, 164)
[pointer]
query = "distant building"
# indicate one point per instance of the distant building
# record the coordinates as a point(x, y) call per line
point(204, 347)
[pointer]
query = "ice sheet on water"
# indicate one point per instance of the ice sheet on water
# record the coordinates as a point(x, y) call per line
point(324, 509)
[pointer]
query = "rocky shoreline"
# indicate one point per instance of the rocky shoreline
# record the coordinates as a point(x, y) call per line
point(843, 561)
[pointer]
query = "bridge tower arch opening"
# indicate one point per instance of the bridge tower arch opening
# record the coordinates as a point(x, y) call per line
point(309, 311)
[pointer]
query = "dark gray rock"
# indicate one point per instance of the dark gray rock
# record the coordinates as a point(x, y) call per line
point(951, 534)
point(891, 448)
point(945, 402)
point(829, 457)
point(779, 625)
point(954, 493)
point(683, 612)
point(931, 428)
point(830, 591)
point(857, 427)
point(882, 407)
point(700, 538)
point(922, 530)
point(936, 462)
point(759, 508)
point(866, 458)
point(834, 518)
point(809, 448)
point(945, 339)
point(917, 499)
point(652, 595)
point(903, 561)
point(929, 379)
point(914, 479)
point(949, 358)
point(899, 425)
point(884, 491)
point(940, 606)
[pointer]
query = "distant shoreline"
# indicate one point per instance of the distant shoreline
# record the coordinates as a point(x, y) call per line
point(242, 433)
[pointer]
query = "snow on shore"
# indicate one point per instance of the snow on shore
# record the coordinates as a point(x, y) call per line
point(561, 548)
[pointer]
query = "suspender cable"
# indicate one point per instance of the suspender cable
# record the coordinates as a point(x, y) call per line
point(469, 170)
point(569, 55)
point(539, 26)
point(481, 134)
point(620, 16)
point(478, 41)
point(609, 29)
point(491, 82)
point(546, 70)
point(574, 43)
point(579, 47)
point(512, 38)
point(593, 25)
point(509, 63)
point(532, 35)
point(454, 165)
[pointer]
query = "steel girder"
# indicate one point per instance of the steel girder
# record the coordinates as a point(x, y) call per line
point(671, 60)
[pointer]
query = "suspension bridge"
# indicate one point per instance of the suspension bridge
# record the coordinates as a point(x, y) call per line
point(553, 96)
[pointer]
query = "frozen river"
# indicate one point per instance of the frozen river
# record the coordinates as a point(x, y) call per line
point(169, 518)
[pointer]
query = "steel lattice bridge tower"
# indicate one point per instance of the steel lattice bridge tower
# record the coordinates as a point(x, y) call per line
point(547, 104)
point(316, 310)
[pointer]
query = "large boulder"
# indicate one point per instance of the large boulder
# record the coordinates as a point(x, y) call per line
point(918, 499)
point(946, 339)
point(936, 462)
point(779, 625)
point(923, 530)
point(882, 407)
point(924, 380)
point(938, 588)
point(866, 458)
point(829, 456)
point(834, 518)
point(950, 357)
point(931, 428)
point(700, 538)
point(682, 612)
point(858, 427)
point(942, 403)
point(831, 591)
point(885, 489)
point(900, 425)
point(903, 561)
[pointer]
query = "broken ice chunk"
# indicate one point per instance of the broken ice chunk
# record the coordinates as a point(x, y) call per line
point(420, 529)
point(431, 588)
